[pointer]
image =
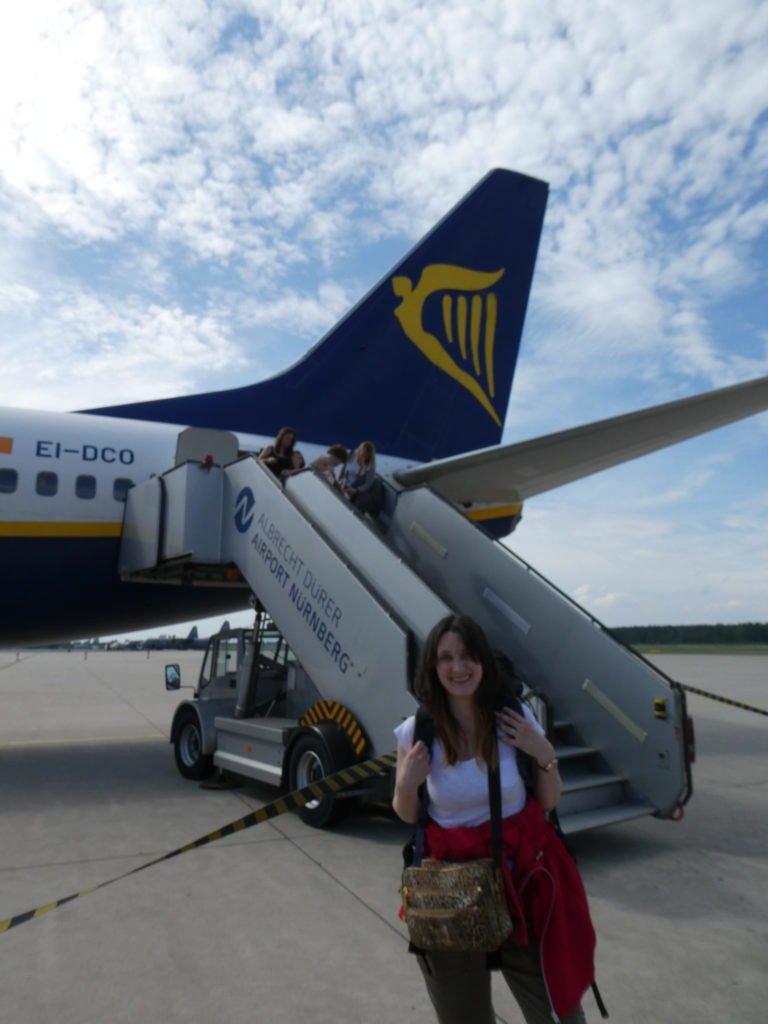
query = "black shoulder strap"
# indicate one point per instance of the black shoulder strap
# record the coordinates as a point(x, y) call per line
point(494, 798)
point(510, 673)
point(424, 728)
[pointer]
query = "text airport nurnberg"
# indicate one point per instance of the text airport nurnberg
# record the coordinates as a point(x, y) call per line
point(305, 591)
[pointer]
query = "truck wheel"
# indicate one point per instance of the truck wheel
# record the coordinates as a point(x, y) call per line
point(311, 760)
point(188, 748)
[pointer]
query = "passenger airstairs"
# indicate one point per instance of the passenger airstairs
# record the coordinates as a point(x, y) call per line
point(355, 599)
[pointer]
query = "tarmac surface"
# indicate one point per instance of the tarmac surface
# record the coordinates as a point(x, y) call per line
point(283, 923)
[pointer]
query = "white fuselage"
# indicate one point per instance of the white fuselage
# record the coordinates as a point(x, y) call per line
point(63, 482)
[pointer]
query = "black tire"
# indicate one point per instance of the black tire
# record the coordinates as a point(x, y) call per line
point(311, 760)
point(188, 747)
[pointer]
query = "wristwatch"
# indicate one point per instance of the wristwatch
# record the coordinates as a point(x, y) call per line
point(548, 766)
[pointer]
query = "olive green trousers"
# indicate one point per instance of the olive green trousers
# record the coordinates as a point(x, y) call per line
point(459, 985)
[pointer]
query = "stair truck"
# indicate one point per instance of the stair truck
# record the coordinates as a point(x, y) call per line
point(343, 604)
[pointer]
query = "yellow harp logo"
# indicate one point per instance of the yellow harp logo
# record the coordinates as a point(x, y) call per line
point(469, 311)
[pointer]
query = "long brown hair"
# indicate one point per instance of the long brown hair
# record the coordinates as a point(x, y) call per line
point(494, 686)
point(281, 436)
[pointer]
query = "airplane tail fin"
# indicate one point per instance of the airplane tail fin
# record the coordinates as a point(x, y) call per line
point(423, 365)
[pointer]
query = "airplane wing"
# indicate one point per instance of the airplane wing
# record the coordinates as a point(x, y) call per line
point(511, 473)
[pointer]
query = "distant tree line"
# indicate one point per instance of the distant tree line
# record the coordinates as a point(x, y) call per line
point(742, 633)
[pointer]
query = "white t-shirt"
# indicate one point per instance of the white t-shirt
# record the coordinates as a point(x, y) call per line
point(458, 794)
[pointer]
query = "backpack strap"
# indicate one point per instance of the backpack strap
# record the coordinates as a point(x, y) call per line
point(424, 728)
point(525, 764)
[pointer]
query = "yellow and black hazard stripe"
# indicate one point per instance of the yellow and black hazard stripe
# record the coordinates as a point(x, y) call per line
point(314, 791)
point(724, 700)
point(335, 712)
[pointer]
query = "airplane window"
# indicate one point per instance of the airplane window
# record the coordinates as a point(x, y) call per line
point(121, 487)
point(9, 479)
point(47, 484)
point(85, 486)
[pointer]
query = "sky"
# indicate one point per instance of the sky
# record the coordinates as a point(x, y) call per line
point(191, 193)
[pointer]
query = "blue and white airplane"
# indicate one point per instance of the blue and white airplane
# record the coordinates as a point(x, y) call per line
point(422, 366)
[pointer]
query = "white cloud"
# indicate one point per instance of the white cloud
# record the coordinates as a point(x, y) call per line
point(84, 339)
point(148, 115)
point(17, 296)
point(634, 568)
point(180, 184)
point(307, 315)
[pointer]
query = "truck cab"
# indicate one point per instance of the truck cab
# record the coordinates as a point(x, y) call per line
point(256, 712)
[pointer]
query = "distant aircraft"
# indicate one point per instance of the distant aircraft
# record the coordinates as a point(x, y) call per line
point(191, 642)
point(422, 366)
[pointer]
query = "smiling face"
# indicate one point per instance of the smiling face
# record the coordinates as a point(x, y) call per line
point(458, 671)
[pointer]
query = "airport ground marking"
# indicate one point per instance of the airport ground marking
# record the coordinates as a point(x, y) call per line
point(83, 739)
point(330, 785)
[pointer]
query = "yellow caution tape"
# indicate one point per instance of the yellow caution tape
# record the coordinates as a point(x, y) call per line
point(725, 700)
point(330, 785)
point(315, 790)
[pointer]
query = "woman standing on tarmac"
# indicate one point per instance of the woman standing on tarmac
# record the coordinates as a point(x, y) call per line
point(548, 960)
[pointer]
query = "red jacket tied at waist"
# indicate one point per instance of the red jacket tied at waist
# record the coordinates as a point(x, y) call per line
point(544, 891)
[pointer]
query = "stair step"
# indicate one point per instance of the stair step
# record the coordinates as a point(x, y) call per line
point(569, 751)
point(588, 780)
point(582, 821)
